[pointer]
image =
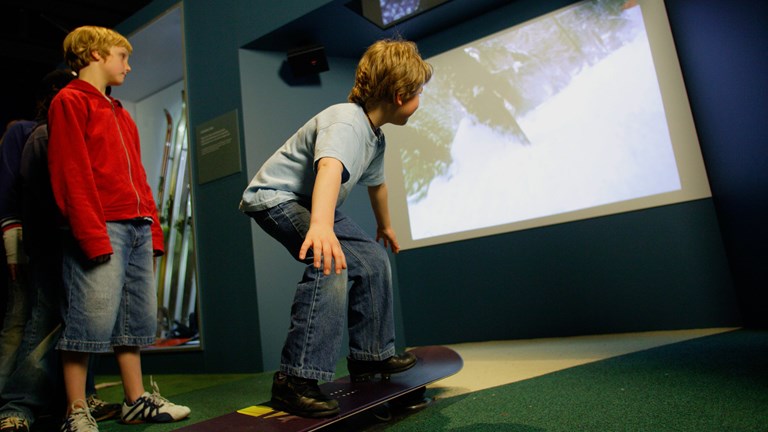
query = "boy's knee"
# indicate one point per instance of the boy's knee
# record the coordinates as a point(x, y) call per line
point(378, 263)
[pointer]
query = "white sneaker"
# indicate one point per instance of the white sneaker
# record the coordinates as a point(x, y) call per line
point(79, 419)
point(153, 408)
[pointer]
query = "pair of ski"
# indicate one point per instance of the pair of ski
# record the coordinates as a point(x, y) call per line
point(176, 285)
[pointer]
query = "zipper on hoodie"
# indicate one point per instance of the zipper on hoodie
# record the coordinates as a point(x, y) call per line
point(127, 157)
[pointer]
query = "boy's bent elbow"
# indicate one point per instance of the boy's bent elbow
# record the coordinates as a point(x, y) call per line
point(329, 166)
point(329, 163)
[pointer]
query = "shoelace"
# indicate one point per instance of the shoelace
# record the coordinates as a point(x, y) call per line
point(80, 417)
point(94, 403)
point(157, 399)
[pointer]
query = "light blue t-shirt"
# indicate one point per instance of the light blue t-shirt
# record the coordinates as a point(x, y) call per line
point(341, 132)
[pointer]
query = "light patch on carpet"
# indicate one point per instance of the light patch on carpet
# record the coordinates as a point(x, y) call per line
point(491, 364)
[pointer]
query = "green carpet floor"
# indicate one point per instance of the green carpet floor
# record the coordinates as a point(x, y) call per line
point(715, 383)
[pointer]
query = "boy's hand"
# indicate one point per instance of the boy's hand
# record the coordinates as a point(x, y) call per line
point(389, 238)
point(324, 245)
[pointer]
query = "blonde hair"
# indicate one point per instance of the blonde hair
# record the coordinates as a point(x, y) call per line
point(389, 68)
point(82, 41)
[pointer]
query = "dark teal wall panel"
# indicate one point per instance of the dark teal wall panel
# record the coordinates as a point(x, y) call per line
point(214, 32)
point(661, 268)
point(722, 49)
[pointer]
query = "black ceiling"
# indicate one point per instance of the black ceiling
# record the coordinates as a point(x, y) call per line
point(31, 34)
point(32, 31)
point(341, 30)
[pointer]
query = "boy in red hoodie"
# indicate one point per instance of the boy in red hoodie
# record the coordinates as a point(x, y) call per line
point(101, 189)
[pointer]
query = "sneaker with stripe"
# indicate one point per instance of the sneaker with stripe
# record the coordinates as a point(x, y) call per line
point(153, 408)
point(79, 419)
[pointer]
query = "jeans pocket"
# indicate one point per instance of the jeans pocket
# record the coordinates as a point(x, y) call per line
point(287, 223)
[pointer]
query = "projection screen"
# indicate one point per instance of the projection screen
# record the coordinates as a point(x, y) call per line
point(576, 114)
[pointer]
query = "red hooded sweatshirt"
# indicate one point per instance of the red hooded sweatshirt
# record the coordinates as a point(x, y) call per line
point(94, 158)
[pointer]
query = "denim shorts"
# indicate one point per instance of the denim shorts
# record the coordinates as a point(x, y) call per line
point(113, 303)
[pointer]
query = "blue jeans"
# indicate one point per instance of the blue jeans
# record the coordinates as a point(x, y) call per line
point(112, 303)
point(35, 387)
point(362, 293)
point(35, 384)
point(16, 314)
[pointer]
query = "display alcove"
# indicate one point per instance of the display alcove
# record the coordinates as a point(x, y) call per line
point(154, 94)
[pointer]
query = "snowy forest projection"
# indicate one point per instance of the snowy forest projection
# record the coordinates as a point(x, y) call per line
point(559, 114)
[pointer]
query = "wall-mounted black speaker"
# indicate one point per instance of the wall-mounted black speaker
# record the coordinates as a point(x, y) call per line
point(307, 61)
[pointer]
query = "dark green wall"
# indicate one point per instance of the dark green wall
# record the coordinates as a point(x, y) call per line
point(661, 268)
point(722, 48)
point(214, 31)
point(657, 269)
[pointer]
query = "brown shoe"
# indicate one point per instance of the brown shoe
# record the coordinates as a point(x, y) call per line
point(365, 370)
point(101, 410)
point(301, 397)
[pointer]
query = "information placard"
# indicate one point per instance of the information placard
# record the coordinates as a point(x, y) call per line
point(218, 147)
